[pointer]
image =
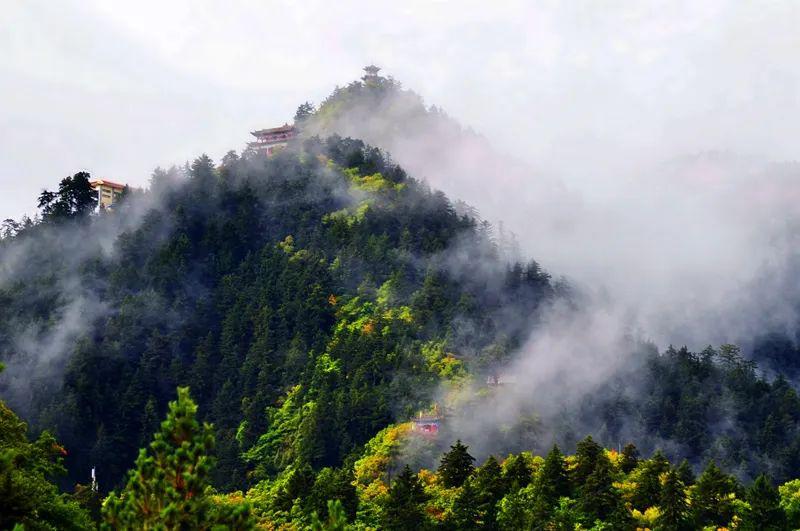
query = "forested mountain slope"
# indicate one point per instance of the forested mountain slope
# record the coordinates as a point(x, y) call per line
point(314, 297)
point(314, 302)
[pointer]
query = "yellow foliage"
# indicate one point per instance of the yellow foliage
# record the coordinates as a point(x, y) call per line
point(646, 519)
point(287, 245)
point(332, 300)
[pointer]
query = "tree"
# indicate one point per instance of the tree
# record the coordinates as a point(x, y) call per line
point(304, 112)
point(75, 198)
point(491, 488)
point(516, 472)
point(466, 513)
point(710, 497)
point(404, 507)
point(169, 486)
point(630, 458)
point(27, 498)
point(456, 465)
point(648, 481)
point(765, 511)
point(673, 506)
point(587, 455)
point(551, 484)
point(336, 520)
point(597, 497)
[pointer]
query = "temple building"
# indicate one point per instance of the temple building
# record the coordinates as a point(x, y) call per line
point(108, 192)
point(268, 141)
point(371, 73)
point(427, 424)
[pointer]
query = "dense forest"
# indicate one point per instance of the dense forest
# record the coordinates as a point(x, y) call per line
point(313, 303)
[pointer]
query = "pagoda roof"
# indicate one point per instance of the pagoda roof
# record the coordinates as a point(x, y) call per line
point(110, 184)
point(425, 419)
point(285, 128)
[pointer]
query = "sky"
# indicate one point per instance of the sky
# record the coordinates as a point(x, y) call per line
point(580, 89)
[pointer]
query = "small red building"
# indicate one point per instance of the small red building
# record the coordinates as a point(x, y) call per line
point(270, 140)
point(427, 425)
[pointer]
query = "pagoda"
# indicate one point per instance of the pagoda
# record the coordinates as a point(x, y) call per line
point(268, 141)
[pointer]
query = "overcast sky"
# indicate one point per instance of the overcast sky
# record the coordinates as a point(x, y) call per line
point(582, 88)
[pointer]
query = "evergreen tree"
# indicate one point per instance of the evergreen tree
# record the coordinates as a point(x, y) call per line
point(597, 496)
point(552, 484)
point(587, 455)
point(169, 487)
point(673, 506)
point(456, 465)
point(630, 458)
point(490, 486)
point(685, 473)
point(517, 473)
point(648, 481)
point(765, 511)
point(336, 519)
point(710, 497)
point(466, 514)
point(405, 506)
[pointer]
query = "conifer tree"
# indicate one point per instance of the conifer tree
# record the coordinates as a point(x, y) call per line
point(630, 458)
point(336, 520)
point(517, 473)
point(168, 488)
point(648, 488)
point(491, 489)
point(466, 514)
point(710, 497)
point(456, 465)
point(765, 511)
point(587, 454)
point(673, 506)
point(404, 508)
point(685, 473)
point(597, 497)
point(552, 484)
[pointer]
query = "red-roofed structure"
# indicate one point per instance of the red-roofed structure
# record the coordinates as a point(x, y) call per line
point(270, 140)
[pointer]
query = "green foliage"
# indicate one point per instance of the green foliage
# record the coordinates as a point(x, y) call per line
point(674, 509)
point(27, 498)
point(169, 487)
point(712, 497)
point(765, 511)
point(75, 198)
point(404, 508)
point(456, 465)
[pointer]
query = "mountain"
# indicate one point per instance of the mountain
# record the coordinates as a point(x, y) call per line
point(315, 302)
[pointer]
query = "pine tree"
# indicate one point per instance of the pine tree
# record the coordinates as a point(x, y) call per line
point(466, 514)
point(648, 488)
point(587, 454)
point(169, 487)
point(517, 473)
point(491, 489)
point(765, 511)
point(630, 458)
point(597, 497)
point(456, 465)
point(336, 520)
point(404, 507)
point(710, 497)
point(685, 473)
point(673, 505)
point(552, 484)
